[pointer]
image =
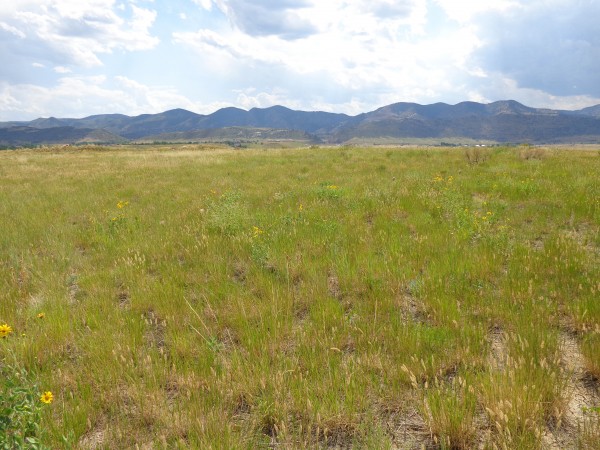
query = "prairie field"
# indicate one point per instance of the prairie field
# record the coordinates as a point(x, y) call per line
point(195, 296)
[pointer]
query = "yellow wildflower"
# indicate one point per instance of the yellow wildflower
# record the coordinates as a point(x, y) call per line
point(300, 208)
point(47, 397)
point(5, 330)
point(256, 231)
point(122, 204)
point(41, 315)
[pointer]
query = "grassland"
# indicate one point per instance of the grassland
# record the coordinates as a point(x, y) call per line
point(196, 297)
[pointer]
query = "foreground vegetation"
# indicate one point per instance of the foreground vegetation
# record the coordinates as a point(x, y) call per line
point(196, 297)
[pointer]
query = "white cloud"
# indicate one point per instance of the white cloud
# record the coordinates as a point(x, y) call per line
point(143, 98)
point(355, 51)
point(206, 4)
point(61, 69)
point(499, 86)
point(465, 11)
point(76, 96)
point(375, 52)
point(9, 28)
point(280, 18)
point(553, 46)
point(333, 55)
point(76, 33)
point(250, 99)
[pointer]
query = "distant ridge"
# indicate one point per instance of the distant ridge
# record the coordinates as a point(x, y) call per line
point(232, 134)
point(501, 121)
point(26, 135)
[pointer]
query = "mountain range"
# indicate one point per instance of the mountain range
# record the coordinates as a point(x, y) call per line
point(501, 121)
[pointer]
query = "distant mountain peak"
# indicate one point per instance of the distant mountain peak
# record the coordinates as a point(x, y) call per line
point(181, 111)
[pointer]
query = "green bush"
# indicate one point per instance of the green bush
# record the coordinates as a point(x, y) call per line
point(20, 410)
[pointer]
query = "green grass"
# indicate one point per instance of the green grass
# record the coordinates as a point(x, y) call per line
point(198, 297)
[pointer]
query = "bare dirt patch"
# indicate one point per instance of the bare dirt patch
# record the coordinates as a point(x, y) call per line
point(155, 330)
point(74, 291)
point(583, 236)
point(333, 285)
point(583, 394)
point(498, 351)
point(409, 431)
point(94, 439)
point(412, 309)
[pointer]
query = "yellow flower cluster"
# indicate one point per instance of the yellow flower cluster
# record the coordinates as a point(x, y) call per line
point(486, 216)
point(440, 179)
point(256, 231)
point(122, 204)
point(332, 187)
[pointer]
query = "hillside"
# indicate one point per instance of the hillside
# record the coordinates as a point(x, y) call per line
point(231, 133)
point(502, 121)
point(28, 135)
point(499, 122)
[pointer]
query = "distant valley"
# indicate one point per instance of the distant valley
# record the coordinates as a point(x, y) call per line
point(499, 122)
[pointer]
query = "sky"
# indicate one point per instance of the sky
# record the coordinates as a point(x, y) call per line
point(75, 58)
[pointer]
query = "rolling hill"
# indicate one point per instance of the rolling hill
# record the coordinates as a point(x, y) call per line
point(28, 135)
point(502, 121)
point(231, 133)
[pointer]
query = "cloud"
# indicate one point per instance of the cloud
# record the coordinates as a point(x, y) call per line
point(61, 69)
point(10, 29)
point(355, 55)
point(67, 57)
point(363, 54)
point(144, 99)
point(267, 17)
point(206, 4)
point(79, 96)
point(385, 9)
point(249, 99)
point(24, 101)
point(65, 32)
point(497, 86)
point(466, 11)
point(550, 46)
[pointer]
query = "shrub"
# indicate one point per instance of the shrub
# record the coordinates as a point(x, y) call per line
point(476, 155)
point(528, 152)
point(20, 410)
